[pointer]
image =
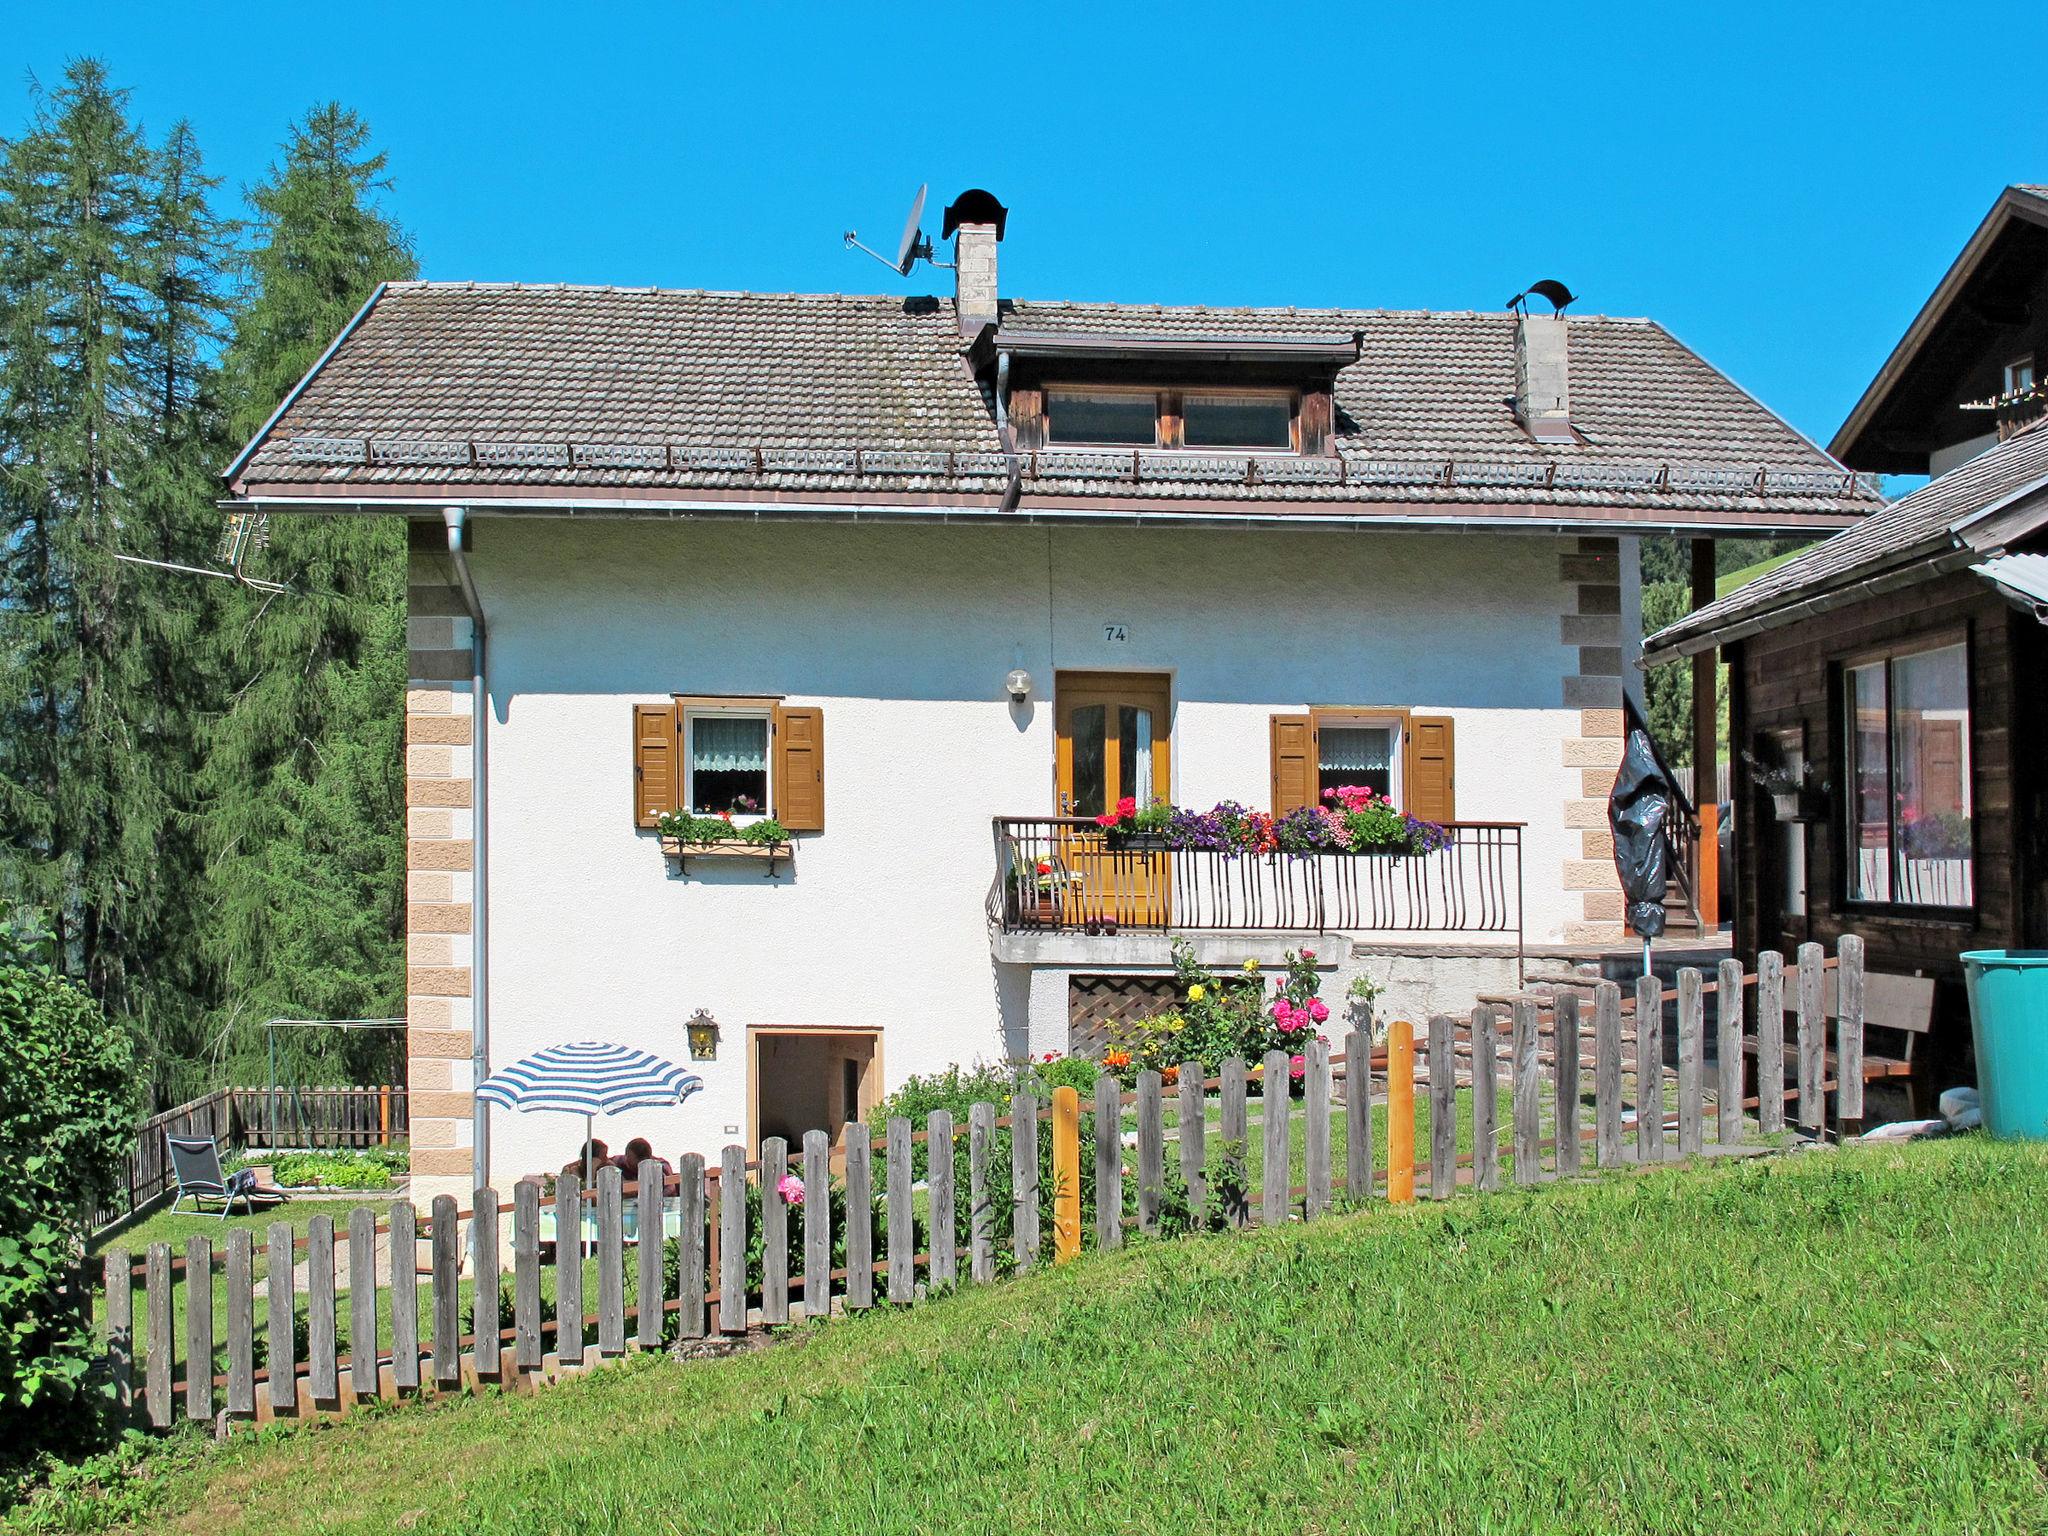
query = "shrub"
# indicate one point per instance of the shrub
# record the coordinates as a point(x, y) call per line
point(66, 1115)
point(341, 1168)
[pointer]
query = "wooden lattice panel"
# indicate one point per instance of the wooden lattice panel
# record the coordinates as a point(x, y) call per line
point(1096, 1004)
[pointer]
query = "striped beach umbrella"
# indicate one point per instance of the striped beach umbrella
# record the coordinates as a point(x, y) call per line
point(589, 1078)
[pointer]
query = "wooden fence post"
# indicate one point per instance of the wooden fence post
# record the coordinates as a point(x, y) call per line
point(199, 1328)
point(568, 1272)
point(1151, 1149)
point(1649, 1069)
point(1526, 1094)
point(1813, 1040)
point(1485, 1100)
point(1401, 1112)
point(1849, 1035)
point(120, 1330)
point(1066, 1174)
point(322, 1373)
point(405, 1298)
point(1316, 1128)
point(1607, 1074)
point(1024, 1179)
point(1234, 1127)
point(447, 1293)
point(774, 1232)
point(1357, 1116)
point(1109, 1162)
point(1728, 1053)
point(1191, 1115)
point(362, 1302)
point(691, 1268)
point(1691, 1035)
point(652, 1240)
point(902, 1233)
point(1443, 1106)
point(156, 1291)
point(981, 1214)
point(817, 1224)
point(942, 1198)
point(283, 1361)
point(732, 1240)
point(611, 1262)
point(529, 1350)
point(860, 1216)
point(484, 1352)
point(1770, 1042)
point(1567, 1063)
point(241, 1277)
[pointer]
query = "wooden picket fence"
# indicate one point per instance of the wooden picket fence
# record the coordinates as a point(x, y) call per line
point(246, 1119)
point(716, 1294)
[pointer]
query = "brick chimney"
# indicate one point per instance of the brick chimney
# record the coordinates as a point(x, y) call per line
point(974, 221)
point(1543, 377)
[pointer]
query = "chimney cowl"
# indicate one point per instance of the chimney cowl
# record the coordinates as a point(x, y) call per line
point(1543, 389)
point(975, 221)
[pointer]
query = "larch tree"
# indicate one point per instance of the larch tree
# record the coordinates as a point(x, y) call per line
point(109, 283)
point(305, 822)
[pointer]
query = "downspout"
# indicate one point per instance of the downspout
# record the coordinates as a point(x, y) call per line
point(457, 519)
point(1014, 491)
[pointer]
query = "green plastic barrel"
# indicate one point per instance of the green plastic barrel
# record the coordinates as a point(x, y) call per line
point(2009, 1020)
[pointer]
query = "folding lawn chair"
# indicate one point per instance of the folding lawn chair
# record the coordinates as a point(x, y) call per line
point(195, 1164)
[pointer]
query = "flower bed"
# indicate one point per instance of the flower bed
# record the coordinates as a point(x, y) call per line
point(1352, 819)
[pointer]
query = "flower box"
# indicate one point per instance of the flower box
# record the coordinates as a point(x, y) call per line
point(726, 848)
point(1798, 805)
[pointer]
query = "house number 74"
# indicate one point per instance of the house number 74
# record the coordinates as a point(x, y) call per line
point(1116, 634)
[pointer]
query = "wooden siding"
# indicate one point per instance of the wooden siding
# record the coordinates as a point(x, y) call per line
point(1787, 681)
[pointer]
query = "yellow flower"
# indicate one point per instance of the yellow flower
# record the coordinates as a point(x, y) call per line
point(1251, 965)
point(1197, 992)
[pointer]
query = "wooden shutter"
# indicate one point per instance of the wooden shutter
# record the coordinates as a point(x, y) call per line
point(1294, 763)
point(800, 769)
point(1429, 769)
point(656, 761)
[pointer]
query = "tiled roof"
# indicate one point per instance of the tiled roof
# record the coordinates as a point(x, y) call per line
point(1910, 530)
point(582, 390)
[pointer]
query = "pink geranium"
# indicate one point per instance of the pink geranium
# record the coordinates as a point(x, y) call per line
point(791, 1188)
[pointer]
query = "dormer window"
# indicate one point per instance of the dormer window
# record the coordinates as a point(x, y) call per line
point(1100, 416)
point(2019, 375)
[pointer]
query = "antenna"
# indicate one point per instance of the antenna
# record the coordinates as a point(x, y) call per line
point(915, 245)
point(246, 533)
point(1544, 288)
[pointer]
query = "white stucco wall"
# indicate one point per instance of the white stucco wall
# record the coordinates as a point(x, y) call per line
point(903, 636)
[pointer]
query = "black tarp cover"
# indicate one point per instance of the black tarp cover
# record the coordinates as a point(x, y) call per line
point(1636, 810)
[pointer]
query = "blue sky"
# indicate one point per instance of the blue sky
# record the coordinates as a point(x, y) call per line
point(1779, 185)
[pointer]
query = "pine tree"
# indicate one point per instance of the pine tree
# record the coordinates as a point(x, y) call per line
point(95, 751)
point(306, 816)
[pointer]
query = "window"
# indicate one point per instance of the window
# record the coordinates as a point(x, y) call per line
point(1237, 421)
point(1906, 737)
point(1358, 752)
point(1257, 420)
point(1103, 418)
point(2019, 375)
point(725, 763)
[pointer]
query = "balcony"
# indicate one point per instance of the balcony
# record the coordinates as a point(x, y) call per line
point(1059, 876)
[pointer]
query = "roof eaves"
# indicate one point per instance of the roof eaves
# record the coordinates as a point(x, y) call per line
point(2023, 201)
point(249, 448)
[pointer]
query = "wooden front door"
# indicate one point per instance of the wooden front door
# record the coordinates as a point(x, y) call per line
point(1114, 742)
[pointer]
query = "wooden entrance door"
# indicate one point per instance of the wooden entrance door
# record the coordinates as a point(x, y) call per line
point(1114, 742)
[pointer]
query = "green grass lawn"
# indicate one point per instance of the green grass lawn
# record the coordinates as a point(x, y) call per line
point(1845, 1342)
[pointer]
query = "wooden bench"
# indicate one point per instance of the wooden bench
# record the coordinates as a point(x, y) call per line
point(1898, 1013)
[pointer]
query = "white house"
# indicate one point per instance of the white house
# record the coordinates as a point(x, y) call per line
point(918, 577)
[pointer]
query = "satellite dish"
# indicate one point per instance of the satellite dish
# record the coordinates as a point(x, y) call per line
point(906, 248)
point(1546, 288)
point(913, 247)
